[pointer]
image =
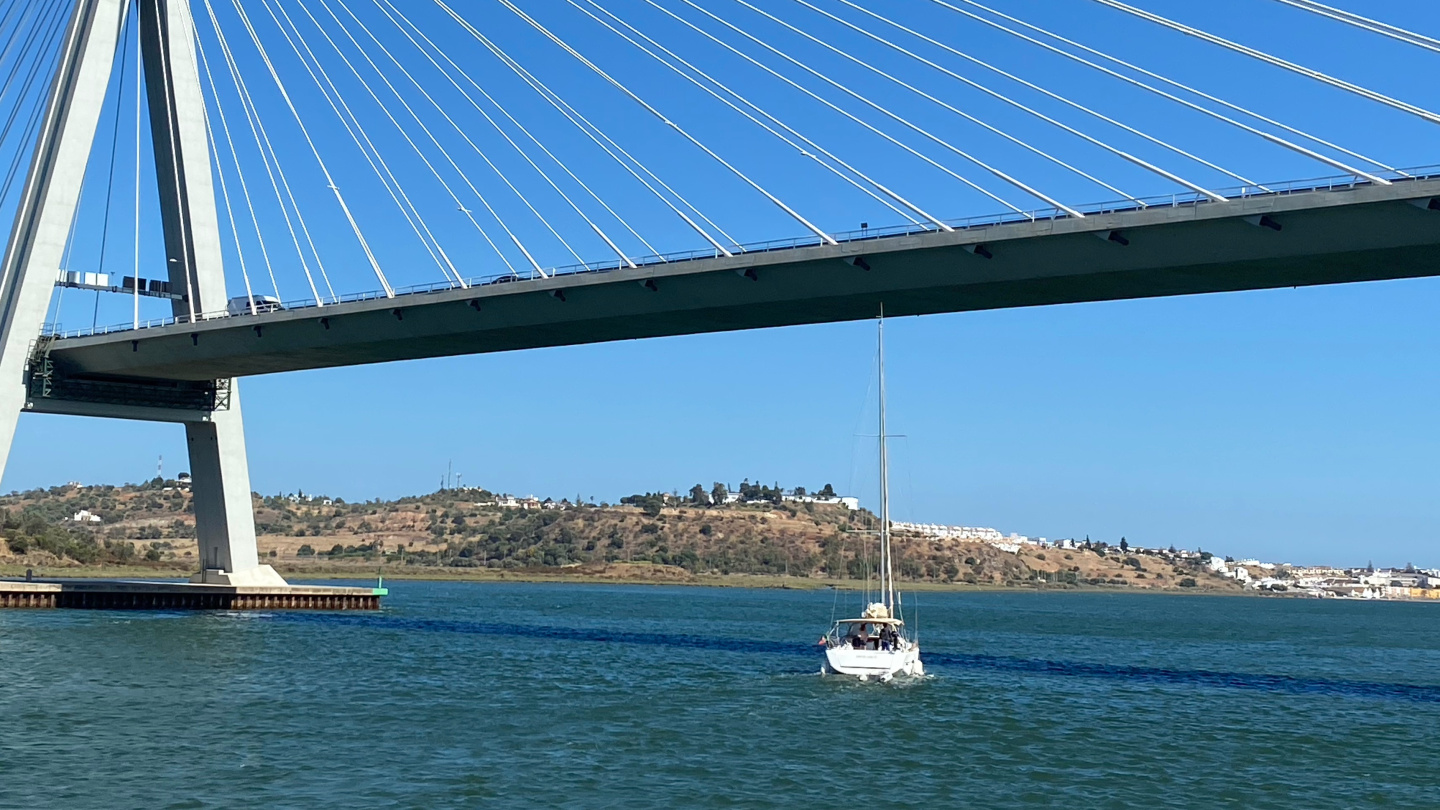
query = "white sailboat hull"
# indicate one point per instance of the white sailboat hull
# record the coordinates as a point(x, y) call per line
point(879, 664)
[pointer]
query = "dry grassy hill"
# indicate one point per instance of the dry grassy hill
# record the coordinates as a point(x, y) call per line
point(450, 532)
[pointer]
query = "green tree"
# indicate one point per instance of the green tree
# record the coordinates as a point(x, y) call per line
point(718, 494)
point(699, 496)
point(1124, 544)
point(306, 551)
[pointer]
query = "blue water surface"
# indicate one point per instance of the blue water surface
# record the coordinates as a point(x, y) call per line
point(516, 695)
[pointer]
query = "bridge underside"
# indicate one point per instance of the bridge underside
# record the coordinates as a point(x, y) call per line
point(1321, 237)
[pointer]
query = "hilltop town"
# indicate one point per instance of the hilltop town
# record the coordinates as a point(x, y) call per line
point(1251, 574)
point(750, 531)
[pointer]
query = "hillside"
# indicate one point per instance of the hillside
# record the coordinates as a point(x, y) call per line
point(455, 532)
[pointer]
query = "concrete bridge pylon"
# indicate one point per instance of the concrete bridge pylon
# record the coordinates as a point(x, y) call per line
point(215, 434)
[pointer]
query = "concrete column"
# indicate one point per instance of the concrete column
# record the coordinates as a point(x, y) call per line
point(52, 189)
point(182, 155)
point(225, 523)
point(220, 479)
point(224, 518)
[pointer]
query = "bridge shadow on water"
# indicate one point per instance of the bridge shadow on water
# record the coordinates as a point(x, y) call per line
point(1158, 676)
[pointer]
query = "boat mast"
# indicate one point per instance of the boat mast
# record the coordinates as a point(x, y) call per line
point(887, 576)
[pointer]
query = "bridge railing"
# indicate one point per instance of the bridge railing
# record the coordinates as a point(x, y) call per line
point(1177, 200)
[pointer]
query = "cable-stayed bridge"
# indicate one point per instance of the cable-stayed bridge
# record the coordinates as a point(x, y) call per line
point(252, 186)
point(1320, 236)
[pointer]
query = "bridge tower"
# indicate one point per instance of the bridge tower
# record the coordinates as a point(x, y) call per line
point(214, 431)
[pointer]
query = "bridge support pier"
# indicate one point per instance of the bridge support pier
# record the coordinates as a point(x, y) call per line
point(224, 516)
point(215, 435)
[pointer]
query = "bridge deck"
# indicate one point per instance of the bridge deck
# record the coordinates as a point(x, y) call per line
point(1360, 233)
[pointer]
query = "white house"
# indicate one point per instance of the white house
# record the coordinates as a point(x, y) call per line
point(853, 504)
point(512, 502)
point(84, 516)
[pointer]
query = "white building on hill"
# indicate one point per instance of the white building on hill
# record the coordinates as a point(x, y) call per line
point(1009, 543)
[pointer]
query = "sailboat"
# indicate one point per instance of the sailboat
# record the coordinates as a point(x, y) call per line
point(877, 644)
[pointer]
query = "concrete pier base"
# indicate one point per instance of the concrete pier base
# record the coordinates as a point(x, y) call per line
point(258, 576)
point(142, 595)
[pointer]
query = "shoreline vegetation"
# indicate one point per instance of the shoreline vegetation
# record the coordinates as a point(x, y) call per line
point(579, 577)
point(628, 574)
point(705, 537)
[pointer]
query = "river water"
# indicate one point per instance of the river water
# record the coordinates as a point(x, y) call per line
point(510, 695)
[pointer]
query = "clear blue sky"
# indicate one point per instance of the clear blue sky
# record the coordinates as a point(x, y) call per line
point(1295, 425)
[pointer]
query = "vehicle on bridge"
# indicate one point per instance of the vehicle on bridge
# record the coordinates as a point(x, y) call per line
point(241, 305)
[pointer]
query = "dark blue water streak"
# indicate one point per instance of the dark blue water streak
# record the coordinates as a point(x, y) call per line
point(1149, 675)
